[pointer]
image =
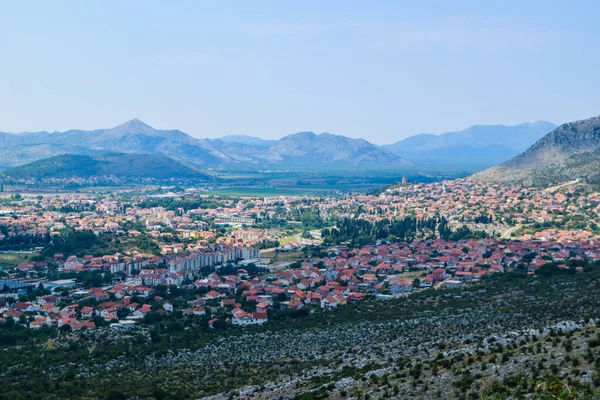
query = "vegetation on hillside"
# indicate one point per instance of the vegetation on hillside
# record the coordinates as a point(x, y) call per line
point(494, 339)
point(358, 232)
point(120, 165)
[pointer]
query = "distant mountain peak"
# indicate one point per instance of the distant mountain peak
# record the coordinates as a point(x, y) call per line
point(134, 124)
point(311, 149)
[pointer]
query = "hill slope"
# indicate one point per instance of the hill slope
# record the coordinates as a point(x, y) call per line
point(478, 145)
point(571, 151)
point(248, 140)
point(310, 149)
point(120, 165)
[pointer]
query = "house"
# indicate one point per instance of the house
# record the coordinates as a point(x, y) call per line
point(48, 300)
point(228, 303)
point(427, 282)
point(110, 317)
point(15, 314)
point(259, 317)
point(87, 312)
point(143, 310)
point(38, 323)
point(168, 307)
point(330, 302)
point(463, 275)
point(241, 318)
point(355, 297)
point(497, 268)
point(244, 318)
point(198, 311)
point(400, 286)
point(82, 325)
point(213, 294)
point(25, 307)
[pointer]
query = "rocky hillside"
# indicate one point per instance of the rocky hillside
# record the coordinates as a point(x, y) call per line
point(571, 151)
point(120, 165)
point(509, 336)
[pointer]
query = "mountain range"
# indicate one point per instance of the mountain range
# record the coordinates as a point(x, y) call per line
point(571, 151)
point(476, 146)
point(302, 150)
point(247, 140)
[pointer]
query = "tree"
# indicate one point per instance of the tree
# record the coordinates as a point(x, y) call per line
point(108, 278)
point(219, 324)
point(161, 290)
point(93, 280)
point(116, 395)
point(154, 336)
point(123, 312)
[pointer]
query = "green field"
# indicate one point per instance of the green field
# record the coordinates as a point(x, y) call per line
point(292, 190)
point(287, 239)
point(10, 260)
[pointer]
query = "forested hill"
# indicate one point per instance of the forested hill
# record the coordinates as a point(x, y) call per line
point(121, 165)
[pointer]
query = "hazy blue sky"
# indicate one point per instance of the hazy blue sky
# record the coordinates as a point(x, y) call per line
point(382, 70)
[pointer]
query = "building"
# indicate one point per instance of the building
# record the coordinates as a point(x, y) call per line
point(66, 283)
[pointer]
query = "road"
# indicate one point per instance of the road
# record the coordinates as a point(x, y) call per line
point(508, 233)
point(562, 186)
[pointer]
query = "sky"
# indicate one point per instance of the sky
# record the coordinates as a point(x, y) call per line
point(379, 70)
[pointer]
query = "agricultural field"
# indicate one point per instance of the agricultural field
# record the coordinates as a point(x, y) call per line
point(294, 190)
point(12, 259)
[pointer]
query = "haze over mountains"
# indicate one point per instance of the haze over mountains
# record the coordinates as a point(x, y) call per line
point(571, 151)
point(304, 150)
point(478, 145)
point(474, 147)
point(248, 140)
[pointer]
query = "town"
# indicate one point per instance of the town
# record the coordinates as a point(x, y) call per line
point(293, 200)
point(117, 260)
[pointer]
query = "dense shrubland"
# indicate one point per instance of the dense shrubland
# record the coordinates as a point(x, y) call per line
point(509, 335)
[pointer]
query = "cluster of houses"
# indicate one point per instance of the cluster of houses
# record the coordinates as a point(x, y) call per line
point(349, 276)
point(459, 201)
